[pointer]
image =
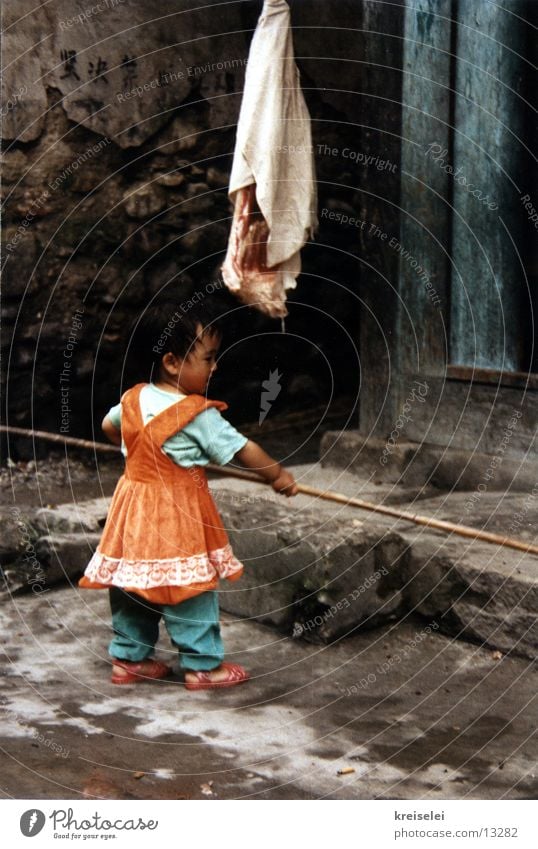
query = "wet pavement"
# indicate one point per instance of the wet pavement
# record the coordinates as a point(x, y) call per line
point(403, 711)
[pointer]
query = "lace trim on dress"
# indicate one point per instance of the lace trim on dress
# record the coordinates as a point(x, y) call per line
point(175, 572)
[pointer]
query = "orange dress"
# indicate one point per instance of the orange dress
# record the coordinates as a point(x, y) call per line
point(163, 539)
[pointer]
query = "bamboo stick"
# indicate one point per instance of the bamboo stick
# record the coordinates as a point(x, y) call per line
point(416, 518)
point(328, 495)
point(58, 437)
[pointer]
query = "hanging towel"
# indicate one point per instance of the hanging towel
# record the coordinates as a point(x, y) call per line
point(272, 184)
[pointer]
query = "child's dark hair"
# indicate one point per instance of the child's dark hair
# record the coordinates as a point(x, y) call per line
point(170, 327)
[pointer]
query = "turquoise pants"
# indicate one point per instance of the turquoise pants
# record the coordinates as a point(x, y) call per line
point(193, 626)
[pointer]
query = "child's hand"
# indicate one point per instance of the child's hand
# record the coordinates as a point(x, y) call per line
point(254, 457)
point(285, 483)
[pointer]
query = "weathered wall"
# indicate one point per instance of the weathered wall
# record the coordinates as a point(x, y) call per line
point(115, 193)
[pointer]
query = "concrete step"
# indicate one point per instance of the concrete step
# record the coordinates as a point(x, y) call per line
point(319, 571)
point(43, 547)
point(422, 463)
point(353, 568)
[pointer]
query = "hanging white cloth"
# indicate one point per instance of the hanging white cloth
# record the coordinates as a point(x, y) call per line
point(272, 184)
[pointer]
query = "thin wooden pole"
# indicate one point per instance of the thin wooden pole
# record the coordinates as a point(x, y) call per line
point(328, 495)
point(45, 436)
point(416, 518)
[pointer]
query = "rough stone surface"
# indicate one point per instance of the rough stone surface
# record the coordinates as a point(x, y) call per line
point(144, 200)
point(362, 455)
point(475, 590)
point(417, 464)
point(16, 532)
point(318, 582)
point(19, 566)
point(107, 84)
point(84, 516)
point(75, 151)
point(319, 570)
point(65, 556)
point(474, 595)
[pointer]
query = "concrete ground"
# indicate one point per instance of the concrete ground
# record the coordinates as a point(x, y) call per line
point(404, 711)
point(401, 711)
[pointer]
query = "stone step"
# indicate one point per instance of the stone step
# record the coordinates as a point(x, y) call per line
point(320, 571)
point(420, 463)
point(43, 547)
point(327, 553)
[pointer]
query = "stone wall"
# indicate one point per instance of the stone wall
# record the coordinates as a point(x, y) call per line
point(119, 129)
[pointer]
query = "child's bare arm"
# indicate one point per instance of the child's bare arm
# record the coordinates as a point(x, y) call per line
point(111, 431)
point(254, 457)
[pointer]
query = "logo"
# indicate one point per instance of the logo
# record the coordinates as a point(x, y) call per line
point(32, 822)
point(272, 389)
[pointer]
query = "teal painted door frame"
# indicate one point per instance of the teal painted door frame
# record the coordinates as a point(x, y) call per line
point(461, 279)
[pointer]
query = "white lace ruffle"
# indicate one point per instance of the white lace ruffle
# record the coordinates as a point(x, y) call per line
point(174, 572)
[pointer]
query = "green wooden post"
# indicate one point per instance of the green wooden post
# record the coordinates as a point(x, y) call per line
point(487, 277)
point(379, 207)
point(425, 222)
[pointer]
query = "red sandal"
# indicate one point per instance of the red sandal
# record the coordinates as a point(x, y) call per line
point(236, 675)
point(143, 670)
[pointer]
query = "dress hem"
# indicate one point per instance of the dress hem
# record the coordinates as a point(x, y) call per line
point(167, 572)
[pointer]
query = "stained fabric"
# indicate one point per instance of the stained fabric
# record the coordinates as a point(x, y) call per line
point(272, 184)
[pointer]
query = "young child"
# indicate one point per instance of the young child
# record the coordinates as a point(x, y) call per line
point(164, 547)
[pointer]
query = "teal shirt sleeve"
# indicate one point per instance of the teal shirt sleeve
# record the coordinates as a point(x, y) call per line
point(114, 414)
point(215, 439)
